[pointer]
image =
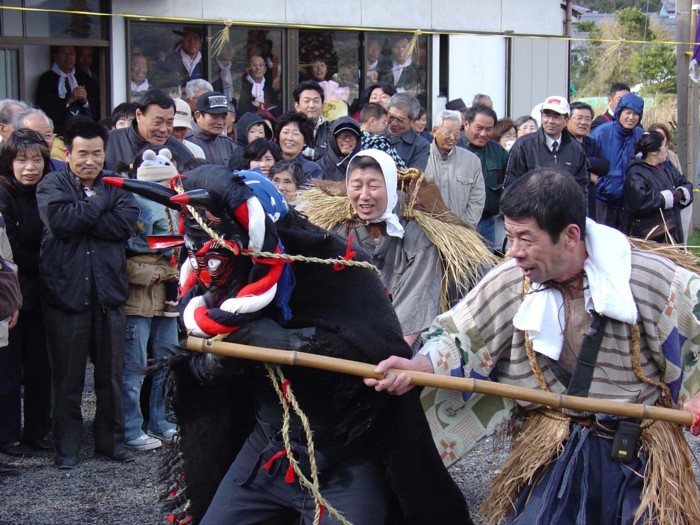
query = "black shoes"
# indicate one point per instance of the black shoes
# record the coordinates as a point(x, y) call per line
point(17, 450)
point(8, 470)
point(66, 462)
point(121, 456)
point(40, 445)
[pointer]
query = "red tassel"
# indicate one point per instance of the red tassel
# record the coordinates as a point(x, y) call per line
point(271, 461)
point(349, 255)
point(290, 477)
point(285, 385)
point(171, 518)
point(321, 511)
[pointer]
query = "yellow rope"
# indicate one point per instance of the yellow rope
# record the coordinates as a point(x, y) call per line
point(287, 398)
point(246, 23)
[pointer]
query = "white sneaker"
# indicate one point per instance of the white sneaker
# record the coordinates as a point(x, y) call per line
point(166, 437)
point(144, 442)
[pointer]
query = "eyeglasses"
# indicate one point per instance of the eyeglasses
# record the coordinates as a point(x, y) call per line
point(398, 120)
point(449, 133)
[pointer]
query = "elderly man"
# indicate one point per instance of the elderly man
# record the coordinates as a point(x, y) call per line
point(524, 324)
point(580, 126)
point(308, 99)
point(551, 146)
point(456, 171)
point(478, 129)
point(208, 131)
point(83, 271)
point(195, 88)
point(153, 126)
point(617, 91)
point(9, 109)
point(38, 121)
point(64, 93)
point(413, 149)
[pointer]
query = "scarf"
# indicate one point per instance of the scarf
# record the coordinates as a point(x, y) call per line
point(606, 291)
point(72, 82)
point(258, 89)
point(226, 80)
point(393, 225)
point(397, 69)
point(143, 86)
point(190, 63)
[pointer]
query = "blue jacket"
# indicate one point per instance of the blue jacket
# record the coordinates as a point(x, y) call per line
point(617, 144)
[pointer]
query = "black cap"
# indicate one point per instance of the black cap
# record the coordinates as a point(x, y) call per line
point(346, 126)
point(212, 102)
point(456, 105)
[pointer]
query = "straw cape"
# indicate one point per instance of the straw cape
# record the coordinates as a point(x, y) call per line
point(462, 250)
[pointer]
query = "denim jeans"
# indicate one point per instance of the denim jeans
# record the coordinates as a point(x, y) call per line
point(487, 229)
point(162, 331)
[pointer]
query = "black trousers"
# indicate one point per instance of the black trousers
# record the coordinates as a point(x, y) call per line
point(71, 336)
point(25, 357)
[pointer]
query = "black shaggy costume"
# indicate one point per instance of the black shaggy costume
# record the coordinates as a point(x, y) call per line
point(354, 320)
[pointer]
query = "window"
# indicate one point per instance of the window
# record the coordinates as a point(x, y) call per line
point(331, 58)
point(400, 59)
point(248, 68)
point(165, 56)
point(64, 25)
point(9, 79)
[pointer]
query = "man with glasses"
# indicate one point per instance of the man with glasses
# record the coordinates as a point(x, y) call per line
point(551, 147)
point(413, 149)
point(478, 130)
point(456, 171)
point(580, 126)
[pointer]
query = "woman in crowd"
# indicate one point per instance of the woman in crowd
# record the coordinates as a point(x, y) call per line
point(343, 144)
point(23, 162)
point(409, 262)
point(419, 124)
point(504, 133)
point(261, 153)
point(293, 132)
point(672, 157)
point(655, 192)
point(380, 93)
point(288, 178)
point(524, 125)
point(250, 127)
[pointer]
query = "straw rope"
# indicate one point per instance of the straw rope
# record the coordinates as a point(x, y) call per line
point(287, 398)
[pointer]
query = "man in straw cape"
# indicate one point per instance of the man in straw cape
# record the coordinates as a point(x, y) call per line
point(576, 309)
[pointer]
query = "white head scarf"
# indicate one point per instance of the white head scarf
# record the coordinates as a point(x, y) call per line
point(388, 167)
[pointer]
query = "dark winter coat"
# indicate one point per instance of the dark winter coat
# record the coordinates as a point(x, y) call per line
point(218, 149)
point(648, 190)
point(334, 164)
point(125, 143)
point(84, 242)
point(531, 151)
point(23, 226)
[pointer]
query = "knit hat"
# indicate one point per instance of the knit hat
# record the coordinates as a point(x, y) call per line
point(156, 168)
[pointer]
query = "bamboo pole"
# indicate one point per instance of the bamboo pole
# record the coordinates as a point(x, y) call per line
point(355, 368)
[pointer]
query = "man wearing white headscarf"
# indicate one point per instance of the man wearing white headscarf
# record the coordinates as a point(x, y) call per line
point(409, 262)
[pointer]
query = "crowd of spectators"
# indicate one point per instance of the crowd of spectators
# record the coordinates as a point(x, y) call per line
point(84, 243)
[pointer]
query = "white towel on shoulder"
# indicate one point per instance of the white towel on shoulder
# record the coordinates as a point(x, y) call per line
point(607, 291)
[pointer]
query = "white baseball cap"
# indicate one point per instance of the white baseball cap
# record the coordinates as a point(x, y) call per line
point(557, 104)
point(183, 114)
